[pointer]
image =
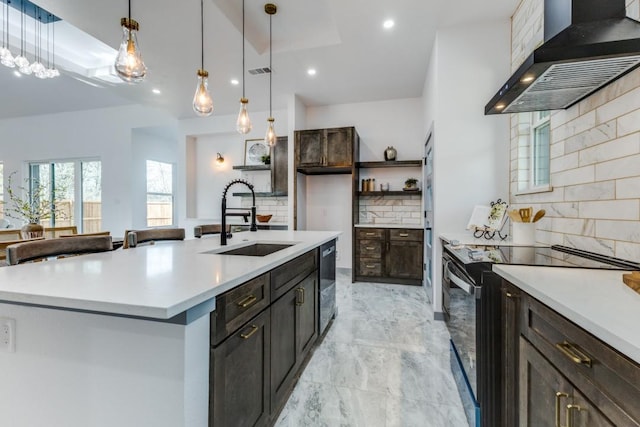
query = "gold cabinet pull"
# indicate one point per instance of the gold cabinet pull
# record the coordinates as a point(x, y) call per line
point(573, 353)
point(370, 248)
point(559, 396)
point(300, 301)
point(247, 301)
point(370, 234)
point(570, 409)
point(370, 266)
point(248, 335)
point(511, 295)
point(403, 234)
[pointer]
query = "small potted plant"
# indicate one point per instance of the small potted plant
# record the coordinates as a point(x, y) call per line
point(411, 184)
point(266, 159)
point(31, 204)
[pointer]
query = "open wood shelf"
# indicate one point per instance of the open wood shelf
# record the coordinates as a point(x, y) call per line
point(253, 168)
point(388, 193)
point(391, 164)
point(269, 194)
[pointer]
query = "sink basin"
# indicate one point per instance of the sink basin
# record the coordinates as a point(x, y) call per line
point(255, 249)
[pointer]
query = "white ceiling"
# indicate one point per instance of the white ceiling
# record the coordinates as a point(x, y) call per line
point(355, 58)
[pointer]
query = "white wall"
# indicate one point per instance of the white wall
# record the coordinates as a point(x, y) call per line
point(379, 124)
point(105, 134)
point(471, 150)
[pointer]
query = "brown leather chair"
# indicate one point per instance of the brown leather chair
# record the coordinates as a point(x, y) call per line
point(97, 233)
point(133, 238)
point(53, 232)
point(201, 230)
point(5, 243)
point(40, 249)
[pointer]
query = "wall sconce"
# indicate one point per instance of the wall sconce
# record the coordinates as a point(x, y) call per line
point(219, 159)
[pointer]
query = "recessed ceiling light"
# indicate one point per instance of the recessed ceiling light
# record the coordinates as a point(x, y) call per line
point(235, 82)
point(17, 73)
point(311, 71)
point(388, 24)
point(156, 91)
point(527, 79)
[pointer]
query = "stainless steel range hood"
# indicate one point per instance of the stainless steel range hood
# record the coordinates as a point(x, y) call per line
point(588, 44)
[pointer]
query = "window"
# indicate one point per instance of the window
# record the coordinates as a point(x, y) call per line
point(533, 152)
point(1, 190)
point(69, 181)
point(159, 194)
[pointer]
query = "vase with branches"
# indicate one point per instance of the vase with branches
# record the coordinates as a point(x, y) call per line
point(31, 204)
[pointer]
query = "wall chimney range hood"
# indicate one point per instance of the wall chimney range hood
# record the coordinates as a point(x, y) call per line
point(587, 44)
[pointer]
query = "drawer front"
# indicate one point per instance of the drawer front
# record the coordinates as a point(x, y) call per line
point(236, 307)
point(405, 234)
point(369, 267)
point(288, 275)
point(369, 233)
point(370, 249)
point(605, 376)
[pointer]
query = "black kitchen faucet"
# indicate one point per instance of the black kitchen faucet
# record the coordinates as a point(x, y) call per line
point(223, 228)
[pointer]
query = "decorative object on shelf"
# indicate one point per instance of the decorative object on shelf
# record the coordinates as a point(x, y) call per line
point(243, 124)
point(219, 159)
point(384, 186)
point(270, 138)
point(202, 102)
point(488, 221)
point(410, 184)
point(264, 218)
point(31, 204)
point(254, 150)
point(390, 154)
point(129, 65)
point(266, 159)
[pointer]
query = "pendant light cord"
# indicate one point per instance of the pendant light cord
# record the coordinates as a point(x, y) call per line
point(243, 67)
point(270, 66)
point(202, 34)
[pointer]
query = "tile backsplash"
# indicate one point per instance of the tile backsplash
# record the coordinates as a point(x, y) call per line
point(277, 206)
point(403, 210)
point(595, 158)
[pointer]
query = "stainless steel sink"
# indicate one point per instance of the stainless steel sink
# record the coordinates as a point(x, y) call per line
point(255, 249)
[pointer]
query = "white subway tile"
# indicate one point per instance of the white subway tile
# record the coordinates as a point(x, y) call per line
point(628, 251)
point(620, 168)
point(559, 164)
point(594, 191)
point(557, 149)
point(628, 231)
point(619, 106)
point(573, 176)
point(614, 209)
point(628, 188)
point(591, 137)
point(583, 227)
point(629, 123)
point(562, 210)
point(600, 246)
point(621, 147)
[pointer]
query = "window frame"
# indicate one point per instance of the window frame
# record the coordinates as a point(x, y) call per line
point(536, 120)
point(172, 194)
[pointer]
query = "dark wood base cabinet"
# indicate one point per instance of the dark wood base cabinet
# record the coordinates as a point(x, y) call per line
point(557, 374)
point(261, 336)
point(388, 255)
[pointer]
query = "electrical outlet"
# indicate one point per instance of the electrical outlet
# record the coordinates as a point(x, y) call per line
point(7, 334)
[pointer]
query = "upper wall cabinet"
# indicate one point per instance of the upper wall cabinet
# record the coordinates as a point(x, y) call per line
point(326, 151)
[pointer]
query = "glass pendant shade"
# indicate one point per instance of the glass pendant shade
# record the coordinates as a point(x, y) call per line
point(129, 65)
point(271, 138)
point(6, 58)
point(243, 124)
point(202, 102)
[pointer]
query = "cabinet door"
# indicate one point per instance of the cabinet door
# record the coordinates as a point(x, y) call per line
point(307, 314)
point(310, 147)
point(339, 147)
point(284, 353)
point(239, 382)
point(510, 332)
point(404, 259)
point(279, 166)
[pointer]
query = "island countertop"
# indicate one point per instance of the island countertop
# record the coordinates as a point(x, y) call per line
point(596, 300)
point(155, 281)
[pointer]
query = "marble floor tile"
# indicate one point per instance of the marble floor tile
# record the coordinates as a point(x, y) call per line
point(384, 362)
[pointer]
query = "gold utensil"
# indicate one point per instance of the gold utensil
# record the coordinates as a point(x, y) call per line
point(525, 214)
point(538, 216)
point(514, 215)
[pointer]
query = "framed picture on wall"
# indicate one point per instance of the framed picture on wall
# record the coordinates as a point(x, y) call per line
point(254, 150)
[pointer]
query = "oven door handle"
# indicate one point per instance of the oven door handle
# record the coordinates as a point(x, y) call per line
point(465, 286)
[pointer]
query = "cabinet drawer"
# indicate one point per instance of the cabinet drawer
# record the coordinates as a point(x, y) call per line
point(369, 267)
point(605, 376)
point(291, 273)
point(370, 249)
point(405, 234)
point(369, 233)
point(236, 307)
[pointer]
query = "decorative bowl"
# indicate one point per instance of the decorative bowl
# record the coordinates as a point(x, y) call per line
point(263, 218)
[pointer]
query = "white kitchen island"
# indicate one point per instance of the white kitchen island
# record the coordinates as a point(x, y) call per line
point(122, 338)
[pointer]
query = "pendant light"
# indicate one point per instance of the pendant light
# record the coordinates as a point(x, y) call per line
point(6, 58)
point(52, 71)
point(129, 65)
point(21, 60)
point(243, 124)
point(202, 102)
point(270, 138)
point(37, 67)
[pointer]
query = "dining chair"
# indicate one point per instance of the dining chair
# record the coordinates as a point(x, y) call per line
point(97, 233)
point(10, 234)
point(53, 232)
point(45, 248)
point(5, 243)
point(133, 238)
point(201, 230)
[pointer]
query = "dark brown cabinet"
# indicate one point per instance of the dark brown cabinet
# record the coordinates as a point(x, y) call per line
point(294, 325)
point(556, 373)
point(261, 335)
point(326, 151)
point(392, 255)
point(240, 376)
point(279, 167)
